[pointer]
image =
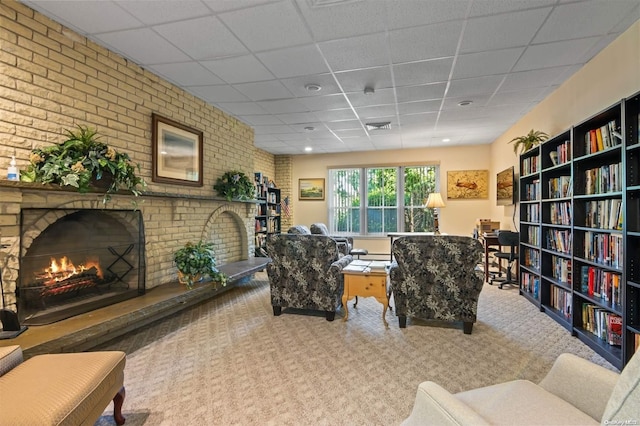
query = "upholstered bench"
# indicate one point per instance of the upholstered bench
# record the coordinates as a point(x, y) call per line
point(60, 389)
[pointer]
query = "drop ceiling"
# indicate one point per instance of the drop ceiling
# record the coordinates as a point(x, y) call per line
point(261, 60)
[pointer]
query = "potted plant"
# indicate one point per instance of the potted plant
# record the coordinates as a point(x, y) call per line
point(84, 162)
point(195, 261)
point(528, 141)
point(235, 185)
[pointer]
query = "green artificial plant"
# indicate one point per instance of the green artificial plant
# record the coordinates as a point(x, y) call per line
point(84, 162)
point(528, 141)
point(235, 185)
point(195, 261)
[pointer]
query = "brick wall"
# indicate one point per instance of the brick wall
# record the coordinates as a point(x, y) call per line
point(52, 79)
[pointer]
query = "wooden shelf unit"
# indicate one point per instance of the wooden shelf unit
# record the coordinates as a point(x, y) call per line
point(580, 229)
point(268, 211)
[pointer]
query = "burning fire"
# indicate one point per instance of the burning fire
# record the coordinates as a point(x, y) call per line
point(64, 269)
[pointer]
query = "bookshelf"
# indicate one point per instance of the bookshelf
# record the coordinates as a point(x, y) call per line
point(580, 230)
point(267, 217)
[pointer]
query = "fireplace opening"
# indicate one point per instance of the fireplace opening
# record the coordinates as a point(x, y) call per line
point(81, 261)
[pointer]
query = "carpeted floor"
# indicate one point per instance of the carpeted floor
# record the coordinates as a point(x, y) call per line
point(229, 361)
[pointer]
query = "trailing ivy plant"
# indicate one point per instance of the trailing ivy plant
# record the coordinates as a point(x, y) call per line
point(85, 163)
point(235, 185)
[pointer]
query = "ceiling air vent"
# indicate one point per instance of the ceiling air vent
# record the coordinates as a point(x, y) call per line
point(383, 125)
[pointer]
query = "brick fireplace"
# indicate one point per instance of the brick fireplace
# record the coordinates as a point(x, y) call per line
point(42, 229)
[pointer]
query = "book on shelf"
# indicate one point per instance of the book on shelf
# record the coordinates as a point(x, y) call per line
point(605, 325)
point(601, 138)
point(601, 284)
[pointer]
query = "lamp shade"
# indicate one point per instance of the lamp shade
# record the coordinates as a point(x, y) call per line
point(434, 201)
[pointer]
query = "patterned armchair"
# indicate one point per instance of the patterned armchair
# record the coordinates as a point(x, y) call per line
point(305, 274)
point(345, 244)
point(435, 277)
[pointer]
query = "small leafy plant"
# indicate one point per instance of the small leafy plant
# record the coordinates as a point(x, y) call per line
point(528, 141)
point(84, 162)
point(198, 260)
point(235, 185)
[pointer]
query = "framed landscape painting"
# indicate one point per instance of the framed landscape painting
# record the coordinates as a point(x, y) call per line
point(177, 152)
point(311, 189)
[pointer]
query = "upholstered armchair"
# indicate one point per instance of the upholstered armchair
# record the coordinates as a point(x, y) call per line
point(345, 244)
point(435, 277)
point(305, 274)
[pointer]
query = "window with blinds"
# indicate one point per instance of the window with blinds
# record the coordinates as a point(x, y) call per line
point(393, 198)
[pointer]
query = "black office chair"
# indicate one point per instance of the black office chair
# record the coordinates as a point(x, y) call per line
point(510, 239)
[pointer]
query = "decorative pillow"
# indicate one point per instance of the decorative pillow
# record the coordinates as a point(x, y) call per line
point(623, 406)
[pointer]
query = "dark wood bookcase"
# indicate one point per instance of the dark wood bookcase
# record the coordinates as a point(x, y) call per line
point(580, 229)
point(268, 209)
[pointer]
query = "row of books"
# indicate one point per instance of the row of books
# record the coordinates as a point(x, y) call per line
point(530, 283)
point(561, 269)
point(531, 258)
point(559, 240)
point(603, 324)
point(562, 153)
point(604, 214)
point(530, 165)
point(602, 138)
point(560, 187)
point(532, 236)
point(605, 249)
point(560, 213)
point(601, 284)
point(603, 179)
point(269, 225)
point(532, 190)
point(561, 301)
point(532, 213)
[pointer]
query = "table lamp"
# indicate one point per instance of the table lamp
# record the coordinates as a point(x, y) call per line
point(435, 202)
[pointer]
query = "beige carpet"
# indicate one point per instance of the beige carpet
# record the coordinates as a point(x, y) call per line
point(229, 361)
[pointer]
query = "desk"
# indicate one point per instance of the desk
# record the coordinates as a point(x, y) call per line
point(489, 240)
point(393, 235)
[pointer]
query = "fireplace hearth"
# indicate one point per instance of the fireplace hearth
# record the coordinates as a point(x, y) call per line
point(81, 260)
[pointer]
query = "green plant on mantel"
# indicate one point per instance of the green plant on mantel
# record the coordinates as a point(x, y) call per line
point(195, 261)
point(235, 185)
point(85, 163)
point(528, 141)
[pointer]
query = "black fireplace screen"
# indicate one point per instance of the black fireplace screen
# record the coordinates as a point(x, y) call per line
point(81, 260)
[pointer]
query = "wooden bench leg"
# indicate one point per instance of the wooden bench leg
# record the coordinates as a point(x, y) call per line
point(117, 407)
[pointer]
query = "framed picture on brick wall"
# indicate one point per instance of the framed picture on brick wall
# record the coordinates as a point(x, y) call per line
point(177, 152)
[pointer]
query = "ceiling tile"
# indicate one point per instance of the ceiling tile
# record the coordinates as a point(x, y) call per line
point(261, 27)
point(420, 106)
point(336, 115)
point(217, 94)
point(145, 45)
point(356, 52)
point(503, 97)
point(241, 69)
point(345, 125)
point(577, 20)
point(297, 117)
point(263, 90)
point(318, 103)
point(355, 81)
point(343, 20)
point(516, 29)
point(225, 6)
point(241, 108)
point(294, 61)
point(491, 7)
point(474, 86)
point(282, 106)
point(261, 120)
point(479, 100)
point(554, 54)
point(534, 78)
point(296, 85)
point(380, 111)
point(425, 42)
point(409, 13)
point(412, 120)
point(422, 92)
point(164, 11)
point(380, 97)
point(186, 74)
point(486, 63)
point(202, 38)
point(436, 70)
point(273, 130)
point(351, 133)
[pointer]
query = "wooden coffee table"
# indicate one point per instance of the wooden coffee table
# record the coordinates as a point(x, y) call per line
point(366, 279)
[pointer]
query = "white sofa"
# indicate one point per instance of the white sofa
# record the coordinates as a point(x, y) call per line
point(574, 392)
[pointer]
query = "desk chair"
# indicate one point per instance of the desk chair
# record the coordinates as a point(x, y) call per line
point(509, 239)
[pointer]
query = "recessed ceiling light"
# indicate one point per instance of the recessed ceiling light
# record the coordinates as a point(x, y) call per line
point(464, 103)
point(446, 140)
point(308, 149)
point(309, 128)
point(312, 87)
